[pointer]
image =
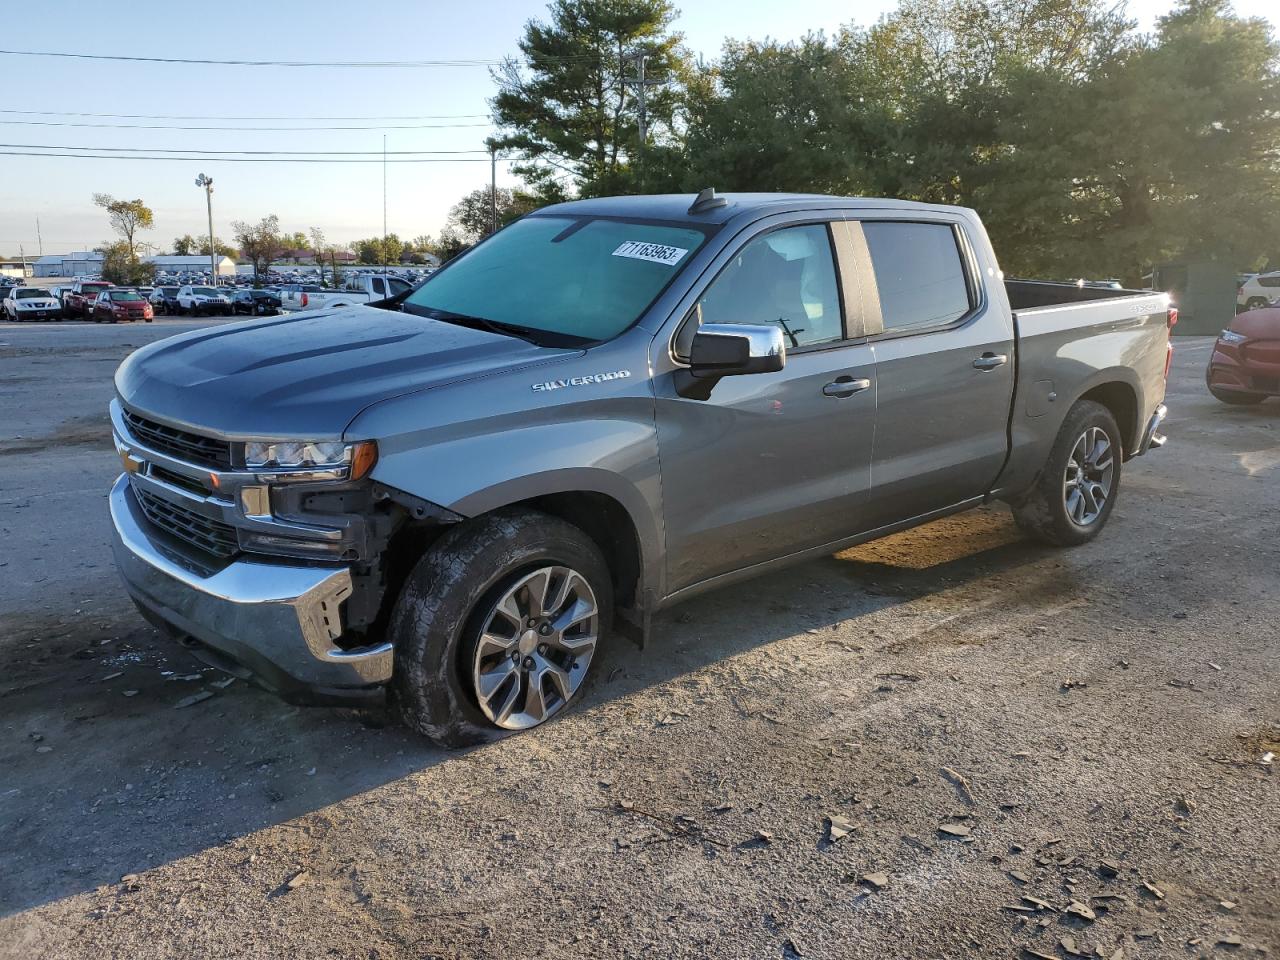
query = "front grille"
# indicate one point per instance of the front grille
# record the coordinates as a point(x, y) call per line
point(181, 444)
point(211, 536)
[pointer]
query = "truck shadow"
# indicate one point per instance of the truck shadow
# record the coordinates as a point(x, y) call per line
point(123, 752)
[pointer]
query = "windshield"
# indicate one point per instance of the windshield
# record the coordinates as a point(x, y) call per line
point(94, 288)
point(204, 291)
point(31, 292)
point(583, 278)
point(121, 295)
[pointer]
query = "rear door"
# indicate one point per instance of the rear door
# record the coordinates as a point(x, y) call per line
point(771, 463)
point(945, 367)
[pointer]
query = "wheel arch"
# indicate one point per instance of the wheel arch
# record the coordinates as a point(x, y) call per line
point(1120, 398)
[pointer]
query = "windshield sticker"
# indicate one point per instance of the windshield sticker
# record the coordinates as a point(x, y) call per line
point(653, 252)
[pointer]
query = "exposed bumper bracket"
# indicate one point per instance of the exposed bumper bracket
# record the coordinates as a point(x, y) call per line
point(279, 620)
point(1150, 438)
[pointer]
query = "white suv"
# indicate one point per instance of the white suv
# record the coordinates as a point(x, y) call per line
point(1258, 291)
point(197, 300)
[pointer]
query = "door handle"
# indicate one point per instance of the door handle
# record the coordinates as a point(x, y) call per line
point(845, 387)
point(989, 361)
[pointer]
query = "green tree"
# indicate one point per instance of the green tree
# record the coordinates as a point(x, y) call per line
point(126, 217)
point(219, 248)
point(568, 106)
point(260, 243)
point(379, 250)
point(121, 265)
point(472, 215)
point(184, 246)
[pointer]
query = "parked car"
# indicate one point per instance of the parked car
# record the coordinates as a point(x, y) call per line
point(119, 304)
point(198, 300)
point(31, 303)
point(1258, 291)
point(1244, 367)
point(357, 289)
point(255, 302)
point(607, 407)
point(78, 301)
point(164, 299)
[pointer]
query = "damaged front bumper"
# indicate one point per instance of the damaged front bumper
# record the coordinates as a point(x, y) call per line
point(279, 620)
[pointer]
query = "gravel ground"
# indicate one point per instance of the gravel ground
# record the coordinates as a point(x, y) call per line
point(901, 751)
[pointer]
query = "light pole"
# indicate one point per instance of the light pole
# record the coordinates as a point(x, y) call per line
point(207, 183)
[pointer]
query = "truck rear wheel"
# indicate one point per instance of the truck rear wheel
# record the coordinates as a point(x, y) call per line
point(497, 626)
point(1076, 491)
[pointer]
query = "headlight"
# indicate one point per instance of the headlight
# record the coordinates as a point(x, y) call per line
point(355, 460)
point(1230, 336)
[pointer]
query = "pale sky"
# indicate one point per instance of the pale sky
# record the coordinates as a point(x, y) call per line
point(345, 200)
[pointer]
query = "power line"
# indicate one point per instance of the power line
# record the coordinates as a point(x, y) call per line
point(190, 150)
point(168, 116)
point(166, 126)
point(206, 158)
point(412, 64)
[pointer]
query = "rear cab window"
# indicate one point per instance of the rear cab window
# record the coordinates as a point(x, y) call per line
point(920, 274)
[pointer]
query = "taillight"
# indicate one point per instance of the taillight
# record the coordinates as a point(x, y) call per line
point(1172, 319)
point(304, 299)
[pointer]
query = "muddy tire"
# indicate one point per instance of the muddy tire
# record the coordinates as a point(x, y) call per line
point(449, 600)
point(1075, 493)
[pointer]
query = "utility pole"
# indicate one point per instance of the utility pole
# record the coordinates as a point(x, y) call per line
point(642, 115)
point(207, 183)
point(384, 211)
point(39, 239)
point(493, 188)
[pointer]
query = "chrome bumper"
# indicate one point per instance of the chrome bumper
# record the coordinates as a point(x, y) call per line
point(279, 620)
point(1151, 439)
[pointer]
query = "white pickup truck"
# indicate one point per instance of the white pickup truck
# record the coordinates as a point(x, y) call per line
point(361, 288)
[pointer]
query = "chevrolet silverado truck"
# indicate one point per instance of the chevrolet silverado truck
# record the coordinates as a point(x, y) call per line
point(607, 407)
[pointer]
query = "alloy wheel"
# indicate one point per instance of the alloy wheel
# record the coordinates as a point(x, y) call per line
point(535, 647)
point(1089, 475)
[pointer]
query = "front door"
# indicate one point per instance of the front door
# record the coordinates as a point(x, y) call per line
point(772, 463)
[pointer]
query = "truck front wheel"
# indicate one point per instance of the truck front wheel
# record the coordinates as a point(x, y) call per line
point(497, 626)
point(1076, 491)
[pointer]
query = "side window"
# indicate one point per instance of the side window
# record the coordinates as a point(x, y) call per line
point(787, 278)
point(1269, 281)
point(919, 273)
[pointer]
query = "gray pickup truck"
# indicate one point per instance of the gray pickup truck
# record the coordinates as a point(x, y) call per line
point(607, 407)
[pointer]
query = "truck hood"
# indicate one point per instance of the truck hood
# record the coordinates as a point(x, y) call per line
point(306, 376)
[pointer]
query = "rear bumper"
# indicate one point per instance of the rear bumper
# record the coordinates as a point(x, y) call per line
point(1151, 437)
point(280, 621)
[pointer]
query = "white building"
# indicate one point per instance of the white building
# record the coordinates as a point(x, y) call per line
point(68, 264)
point(87, 262)
point(194, 264)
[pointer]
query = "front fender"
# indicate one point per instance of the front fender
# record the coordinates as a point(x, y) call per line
point(486, 443)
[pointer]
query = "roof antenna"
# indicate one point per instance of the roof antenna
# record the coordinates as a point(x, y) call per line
point(707, 199)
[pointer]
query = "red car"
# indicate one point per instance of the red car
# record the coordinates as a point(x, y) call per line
point(114, 305)
point(1245, 365)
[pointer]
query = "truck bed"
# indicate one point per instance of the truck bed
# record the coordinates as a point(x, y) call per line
point(1071, 338)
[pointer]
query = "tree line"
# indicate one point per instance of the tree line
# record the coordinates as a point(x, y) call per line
point(1088, 147)
point(264, 242)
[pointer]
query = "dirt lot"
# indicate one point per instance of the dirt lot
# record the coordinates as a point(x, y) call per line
point(768, 779)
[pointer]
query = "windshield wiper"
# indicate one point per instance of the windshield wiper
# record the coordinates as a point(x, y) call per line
point(480, 323)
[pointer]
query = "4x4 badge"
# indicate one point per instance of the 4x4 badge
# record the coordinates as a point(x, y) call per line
point(581, 381)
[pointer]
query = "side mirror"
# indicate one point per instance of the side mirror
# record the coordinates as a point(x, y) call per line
point(732, 349)
point(729, 350)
